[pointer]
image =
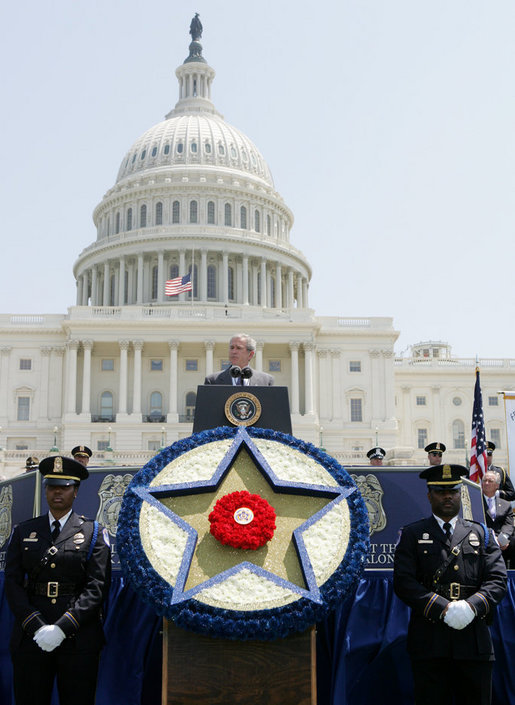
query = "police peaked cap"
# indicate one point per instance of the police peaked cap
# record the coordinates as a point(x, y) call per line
point(440, 447)
point(446, 476)
point(83, 451)
point(490, 446)
point(58, 470)
point(376, 452)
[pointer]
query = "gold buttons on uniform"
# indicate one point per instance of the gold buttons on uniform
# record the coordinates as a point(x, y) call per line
point(456, 567)
point(52, 565)
point(53, 600)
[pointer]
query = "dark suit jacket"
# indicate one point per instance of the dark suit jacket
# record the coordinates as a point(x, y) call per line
point(78, 614)
point(421, 550)
point(258, 379)
point(506, 489)
point(503, 522)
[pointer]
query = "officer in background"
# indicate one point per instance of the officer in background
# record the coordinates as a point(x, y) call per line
point(57, 575)
point(506, 489)
point(451, 573)
point(434, 453)
point(82, 454)
point(376, 455)
point(31, 463)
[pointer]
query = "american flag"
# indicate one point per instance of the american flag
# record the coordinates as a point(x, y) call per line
point(478, 462)
point(178, 285)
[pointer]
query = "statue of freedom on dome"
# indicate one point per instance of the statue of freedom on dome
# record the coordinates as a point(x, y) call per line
point(196, 28)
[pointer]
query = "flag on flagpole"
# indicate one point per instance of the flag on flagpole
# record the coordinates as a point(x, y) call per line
point(178, 285)
point(478, 463)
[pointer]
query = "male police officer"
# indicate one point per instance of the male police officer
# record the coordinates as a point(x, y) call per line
point(57, 575)
point(451, 573)
point(434, 452)
point(82, 454)
point(376, 455)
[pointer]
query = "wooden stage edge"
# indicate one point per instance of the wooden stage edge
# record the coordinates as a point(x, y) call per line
point(199, 670)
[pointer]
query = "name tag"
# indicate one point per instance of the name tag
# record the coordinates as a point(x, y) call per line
point(29, 539)
point(425, 541)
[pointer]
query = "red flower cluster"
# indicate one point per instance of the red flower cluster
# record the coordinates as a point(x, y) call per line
point(242, 520)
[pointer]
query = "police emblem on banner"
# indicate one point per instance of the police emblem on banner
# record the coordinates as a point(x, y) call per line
point(6, 503)
point(242, 409)
point(110, 493)
point(372, 493)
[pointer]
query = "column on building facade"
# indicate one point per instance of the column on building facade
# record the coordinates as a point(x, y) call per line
point(407, 420)
point(71, 381)
point(376, 385)
point(56, 393)
point(278, 286)
point(209, 347)
point(335, 385)
point(130, 282)
point(45, 380)
point(438, 431)
point(106, 301)
point(203, 274)
point(255, 298)
point(172, 406)
point(245, 280)
point(136, 402)
point(324, 384)
point(160, 277)
point(78, 298)
point(139, 284)
point(389, 387)
point(259, 355)
point(308, 377)
point(305, 292)
point(87, 346)
point(263, 301)
point(4, 379)
point(85, 283)
point(182, 270)
point(300, 303)
point(122, 402)
point(294, 356)
point(291, 297)
point(94, 285)
point(225, 277)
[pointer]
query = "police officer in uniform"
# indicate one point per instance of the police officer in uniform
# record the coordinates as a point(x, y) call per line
point(376, 455)
point(82, 454)
point(57, 575)
point(434, 452)
point(451, 573)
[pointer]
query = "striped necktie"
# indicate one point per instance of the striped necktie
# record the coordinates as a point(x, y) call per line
point(56, 530)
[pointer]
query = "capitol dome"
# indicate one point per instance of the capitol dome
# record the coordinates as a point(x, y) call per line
point(193, 195)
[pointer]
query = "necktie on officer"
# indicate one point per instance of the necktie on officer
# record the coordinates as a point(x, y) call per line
point(56, 530)
point(447, 530)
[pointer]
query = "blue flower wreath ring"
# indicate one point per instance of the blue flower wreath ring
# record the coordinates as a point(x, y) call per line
point(310, 566)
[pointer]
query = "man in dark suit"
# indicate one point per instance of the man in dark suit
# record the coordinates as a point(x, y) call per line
point(451, 573)
point(506, 489)
point(242, 349)
point(57, 575)
point(498, 512)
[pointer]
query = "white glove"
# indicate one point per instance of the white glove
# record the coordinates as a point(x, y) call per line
point(49, 637)
point(459, 614)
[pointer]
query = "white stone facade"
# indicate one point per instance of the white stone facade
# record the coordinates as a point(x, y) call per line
point(120, 370)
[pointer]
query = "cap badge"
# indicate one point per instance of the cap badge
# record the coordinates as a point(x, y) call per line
point(446, 474)
point(58, 464)
point(474, 539)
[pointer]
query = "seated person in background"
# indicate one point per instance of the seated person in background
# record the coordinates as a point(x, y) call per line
point(506, 489)
point(241, 351)
point(498, 512)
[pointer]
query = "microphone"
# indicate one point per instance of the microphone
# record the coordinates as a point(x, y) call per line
point(246, 373)
point(236, 371)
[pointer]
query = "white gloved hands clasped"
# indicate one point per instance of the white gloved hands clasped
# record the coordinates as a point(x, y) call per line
point(49, 637)
point(459, 614)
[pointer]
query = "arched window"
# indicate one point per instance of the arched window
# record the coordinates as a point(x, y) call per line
point(257, 222)
point(243, 218)
point(154, 283)
point(176, 212)
point(174, 271)
point(193, 212)
point(106, 406)
point(159, 213)
point(156, 404)
point(211, 282)
point(191, 400)
point(129, 219)
point(143, 217)
point(268, 224)
point(458, 434)
point(228, 214)
point(117, 229)
point(230, 282)
point(211, 212)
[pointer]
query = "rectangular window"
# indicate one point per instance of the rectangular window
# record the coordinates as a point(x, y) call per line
point(191, 365)
point(22, 446)
point(356, 412)
point(354, 366)
point(274, 366)
point(422, 437)
point(224, 364)
point(25, 364)
point(493, 401)
point(156, 365)
point(107, 365)
point(153, 445)
point(421, 401)
point(23, 409)
point(102, 445)
point(495, 437)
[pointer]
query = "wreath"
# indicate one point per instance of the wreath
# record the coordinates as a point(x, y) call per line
point(242, 520)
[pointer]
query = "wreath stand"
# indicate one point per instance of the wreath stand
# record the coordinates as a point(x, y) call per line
point(199, 670)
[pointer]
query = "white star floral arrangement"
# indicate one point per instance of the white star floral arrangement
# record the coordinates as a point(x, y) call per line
point(243, 533)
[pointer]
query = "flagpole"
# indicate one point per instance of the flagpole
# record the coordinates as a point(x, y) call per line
point(192, 275)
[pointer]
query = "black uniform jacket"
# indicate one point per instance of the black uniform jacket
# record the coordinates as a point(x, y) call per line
point(64, 587)
point(503, 521)
point(258, 379)
point(479, 570)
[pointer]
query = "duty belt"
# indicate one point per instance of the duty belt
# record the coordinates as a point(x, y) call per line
point(53, 589)
point(455, 591)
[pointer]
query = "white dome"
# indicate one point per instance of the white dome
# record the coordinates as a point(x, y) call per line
point(194, 139)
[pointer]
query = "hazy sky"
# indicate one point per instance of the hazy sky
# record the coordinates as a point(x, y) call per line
point(389, 128)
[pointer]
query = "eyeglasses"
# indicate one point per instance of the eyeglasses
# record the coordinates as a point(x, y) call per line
point(435, 452)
